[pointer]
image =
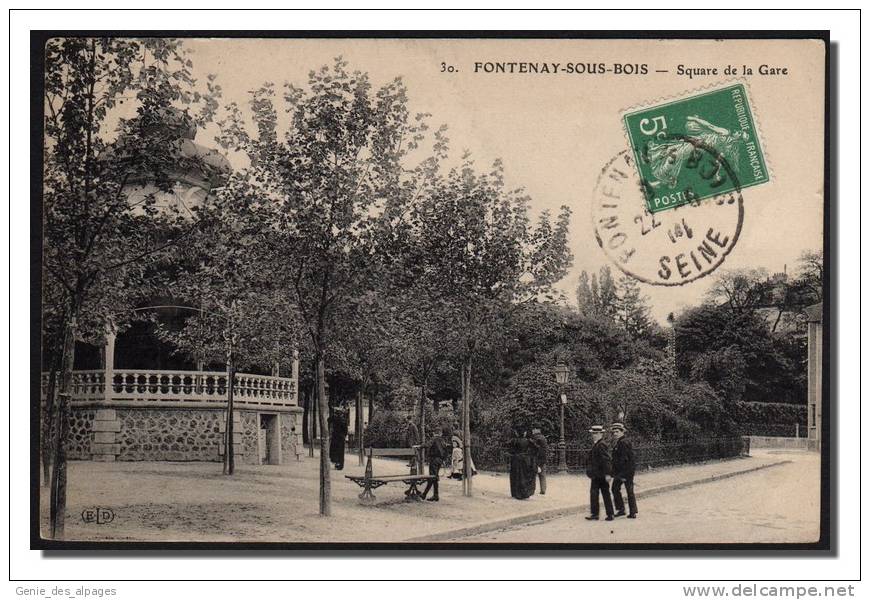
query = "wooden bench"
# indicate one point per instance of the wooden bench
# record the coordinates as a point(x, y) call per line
point(369, 482)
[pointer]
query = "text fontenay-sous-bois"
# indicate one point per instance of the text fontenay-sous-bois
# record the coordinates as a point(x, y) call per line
point(616, 68)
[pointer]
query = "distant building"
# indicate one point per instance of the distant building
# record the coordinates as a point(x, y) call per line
point(814, 376)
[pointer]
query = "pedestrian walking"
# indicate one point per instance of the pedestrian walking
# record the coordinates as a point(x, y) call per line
point(542, 453)
point(623, 472)
point(439, 453)
point(597, 468)
point(523, 471)
point(337, 435)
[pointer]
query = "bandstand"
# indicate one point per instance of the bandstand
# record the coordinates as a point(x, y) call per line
point(144, 403)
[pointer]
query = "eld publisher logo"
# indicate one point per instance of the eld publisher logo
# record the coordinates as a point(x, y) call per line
point(98, 515)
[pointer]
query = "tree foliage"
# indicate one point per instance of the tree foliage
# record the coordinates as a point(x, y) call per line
point(106, 106)
point(477, 250)
point(334, 187)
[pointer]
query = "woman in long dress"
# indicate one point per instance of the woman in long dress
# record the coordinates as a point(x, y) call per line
point(523, 467)
point(337, 433)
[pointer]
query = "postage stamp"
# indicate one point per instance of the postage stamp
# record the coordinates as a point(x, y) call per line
point(681, 148)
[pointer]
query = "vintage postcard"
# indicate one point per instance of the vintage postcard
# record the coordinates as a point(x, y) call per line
point(432, 290)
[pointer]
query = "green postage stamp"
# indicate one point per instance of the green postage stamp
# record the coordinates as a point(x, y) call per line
point(695, 148)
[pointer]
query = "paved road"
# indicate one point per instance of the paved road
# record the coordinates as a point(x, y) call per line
point(779, 504)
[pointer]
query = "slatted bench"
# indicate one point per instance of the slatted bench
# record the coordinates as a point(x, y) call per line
point(369, 481)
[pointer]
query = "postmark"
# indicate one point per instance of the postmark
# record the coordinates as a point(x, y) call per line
point(668, 139)
point(673, 247)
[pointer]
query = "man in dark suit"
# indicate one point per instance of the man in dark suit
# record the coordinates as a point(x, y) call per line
point(542, 452)
point(623, 472)
point(439, 453)
point(597, 468)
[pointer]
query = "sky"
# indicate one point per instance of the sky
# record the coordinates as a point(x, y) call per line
point(555, 132)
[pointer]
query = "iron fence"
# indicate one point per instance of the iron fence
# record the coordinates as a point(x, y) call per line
point(647, 455)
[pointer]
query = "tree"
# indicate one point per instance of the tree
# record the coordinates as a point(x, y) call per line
point(239, 318)
point(632, 309)
point(718, 346)
point(585, 299)
point(608, 296)
point(741, 289)
point(421, 333)
point(598, 296)
point(334, 187)
point(479, 253)
point(97, 242)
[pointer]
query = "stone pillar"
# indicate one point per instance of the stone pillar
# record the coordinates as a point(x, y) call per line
point(106, 426)
point(238, 449)
point(109, 356)
point(815, 393)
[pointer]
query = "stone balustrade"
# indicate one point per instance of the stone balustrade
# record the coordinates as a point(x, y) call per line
point(180, 389)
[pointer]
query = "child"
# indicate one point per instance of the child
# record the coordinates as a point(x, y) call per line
point(456, 465)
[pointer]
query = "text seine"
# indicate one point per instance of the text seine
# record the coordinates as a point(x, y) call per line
point(578, 68)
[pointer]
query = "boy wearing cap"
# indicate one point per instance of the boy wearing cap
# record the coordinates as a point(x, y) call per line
point(597, 467)
point(623, 471)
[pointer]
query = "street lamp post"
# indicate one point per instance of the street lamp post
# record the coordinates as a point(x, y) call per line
point(561, 372)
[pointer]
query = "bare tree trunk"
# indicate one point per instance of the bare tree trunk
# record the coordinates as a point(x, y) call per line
point(229, 450)
point(312, 415)
point(776, 323)
point(358, 426)
point(306, 439)
point(323, 410)
point(57, 510)
point(422, 417)
point(466, 427)
point(48, 409)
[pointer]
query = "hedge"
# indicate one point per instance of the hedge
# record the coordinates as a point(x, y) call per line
point(770, 418)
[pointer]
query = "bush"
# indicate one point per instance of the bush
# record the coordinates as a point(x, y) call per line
point(389, 428)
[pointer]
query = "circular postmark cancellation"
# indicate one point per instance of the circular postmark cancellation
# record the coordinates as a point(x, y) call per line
point(670, 247)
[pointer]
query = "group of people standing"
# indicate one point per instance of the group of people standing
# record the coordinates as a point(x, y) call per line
point(444, 452)
point(528, 452)
point(528, 463)
point(619, 463)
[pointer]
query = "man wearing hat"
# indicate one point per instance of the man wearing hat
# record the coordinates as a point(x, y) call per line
point(541, 453)
point(623, 472)
point(597, 467)
point(438, 454)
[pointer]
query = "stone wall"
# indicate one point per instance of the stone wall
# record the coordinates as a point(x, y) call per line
point(767, 441)
point(162, 434)
point(172, 434)
point(249, 433)
point(81, 434)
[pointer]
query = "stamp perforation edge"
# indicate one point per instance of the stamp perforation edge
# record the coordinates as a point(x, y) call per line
point(700, 91)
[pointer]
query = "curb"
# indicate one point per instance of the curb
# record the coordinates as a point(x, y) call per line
point(555, 513)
